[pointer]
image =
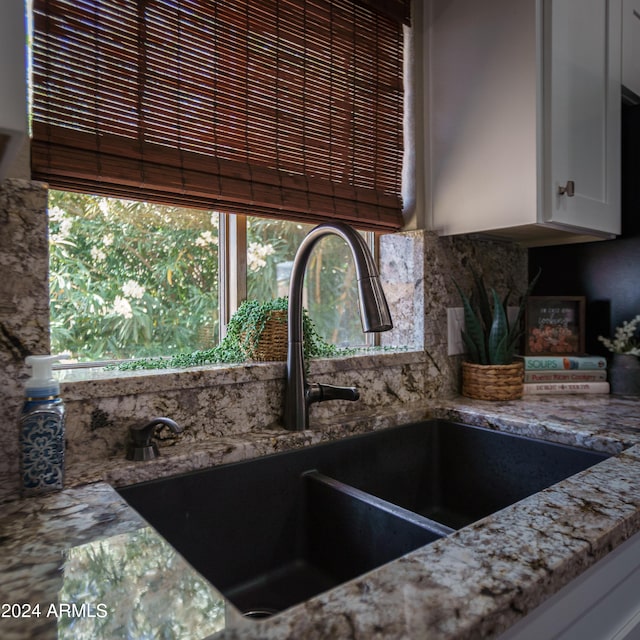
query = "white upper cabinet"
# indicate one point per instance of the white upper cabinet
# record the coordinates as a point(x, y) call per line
point(524, 128)
point(582, 83)
point(13, 82)
point(631, 47)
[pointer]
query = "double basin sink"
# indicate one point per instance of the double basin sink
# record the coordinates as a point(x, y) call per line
point(274, 531)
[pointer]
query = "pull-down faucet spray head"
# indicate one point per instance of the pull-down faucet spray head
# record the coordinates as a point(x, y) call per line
point(374, 311)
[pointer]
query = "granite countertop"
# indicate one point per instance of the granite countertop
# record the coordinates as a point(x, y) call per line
point(80, 563)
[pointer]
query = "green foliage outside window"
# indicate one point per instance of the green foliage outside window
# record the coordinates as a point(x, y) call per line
point(331, 291)
point(130, 279)
point(134, 280)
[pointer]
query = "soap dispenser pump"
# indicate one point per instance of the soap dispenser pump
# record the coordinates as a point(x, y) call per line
point(42, 429)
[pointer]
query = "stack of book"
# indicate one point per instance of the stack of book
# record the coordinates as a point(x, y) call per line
point(565, 374)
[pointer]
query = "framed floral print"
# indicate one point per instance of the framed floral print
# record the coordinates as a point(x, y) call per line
point(554, 325)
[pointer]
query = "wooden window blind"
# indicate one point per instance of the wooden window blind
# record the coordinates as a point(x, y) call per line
point(284, 108)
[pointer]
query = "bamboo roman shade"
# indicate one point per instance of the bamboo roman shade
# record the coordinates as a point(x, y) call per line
point(286, 108)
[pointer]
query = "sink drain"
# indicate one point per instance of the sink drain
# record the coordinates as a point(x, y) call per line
point(258, 613)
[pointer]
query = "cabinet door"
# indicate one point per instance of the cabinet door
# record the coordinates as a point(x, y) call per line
point(582, 103)
point(482, 59)
point(604, 602)
point(631, 45)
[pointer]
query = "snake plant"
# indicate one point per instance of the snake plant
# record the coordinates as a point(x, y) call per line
point(488, 335)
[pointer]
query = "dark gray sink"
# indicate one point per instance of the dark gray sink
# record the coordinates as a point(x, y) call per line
point(453, 473)
point(274, 531)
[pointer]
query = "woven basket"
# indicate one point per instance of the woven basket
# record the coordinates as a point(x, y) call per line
point(492, 382)
point(272, 343)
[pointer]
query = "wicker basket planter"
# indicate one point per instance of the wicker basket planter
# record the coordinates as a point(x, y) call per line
point(271, 344)
point(492, 382)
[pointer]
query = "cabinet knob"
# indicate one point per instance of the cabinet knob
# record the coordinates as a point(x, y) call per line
point(568, 190)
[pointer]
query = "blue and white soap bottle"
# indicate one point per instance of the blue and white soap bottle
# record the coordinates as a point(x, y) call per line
point(42, 430)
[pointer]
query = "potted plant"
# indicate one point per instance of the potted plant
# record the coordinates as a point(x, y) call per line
point(257, 331)
point(489, 371)
point(624, 369)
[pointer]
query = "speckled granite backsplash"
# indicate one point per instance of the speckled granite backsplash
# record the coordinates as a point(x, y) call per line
point(213, 402)
point(417, 270)
point(24, 304)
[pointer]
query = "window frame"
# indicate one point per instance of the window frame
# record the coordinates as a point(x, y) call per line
point(232, 279)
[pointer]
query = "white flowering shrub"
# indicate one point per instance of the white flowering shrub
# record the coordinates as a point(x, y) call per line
point(131, 279)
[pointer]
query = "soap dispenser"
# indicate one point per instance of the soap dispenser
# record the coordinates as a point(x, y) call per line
point(42, 429)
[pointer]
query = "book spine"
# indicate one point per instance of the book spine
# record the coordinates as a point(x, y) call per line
point(553, 363)
point(574, 375)
point(544, 388)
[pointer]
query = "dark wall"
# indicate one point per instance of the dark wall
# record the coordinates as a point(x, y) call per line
point(607, 272)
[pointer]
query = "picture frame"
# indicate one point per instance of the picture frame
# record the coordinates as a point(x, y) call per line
point(554, 325)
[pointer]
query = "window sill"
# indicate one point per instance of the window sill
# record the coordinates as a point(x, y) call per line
point(98, 382)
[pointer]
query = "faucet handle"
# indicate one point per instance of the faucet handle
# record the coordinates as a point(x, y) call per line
point(141, 445)
point(320, 392)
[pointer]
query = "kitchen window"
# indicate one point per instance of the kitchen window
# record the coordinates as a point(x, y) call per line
point(131, 279)
point(288, 112)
